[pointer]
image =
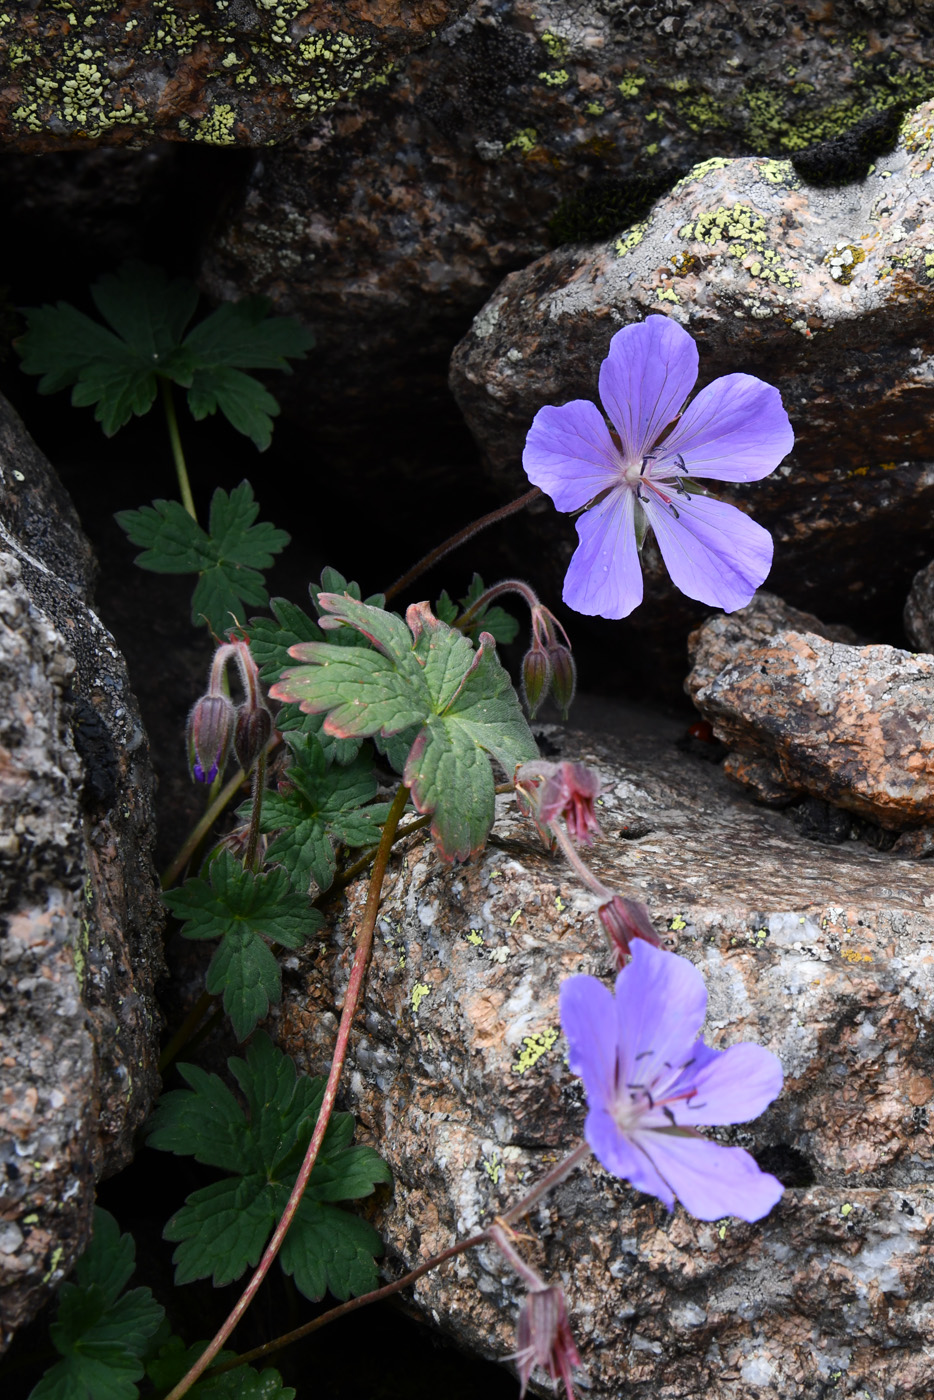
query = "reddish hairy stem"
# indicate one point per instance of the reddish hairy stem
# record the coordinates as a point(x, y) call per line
point(462, 536)
point(351, 1000)
point(515, 1212)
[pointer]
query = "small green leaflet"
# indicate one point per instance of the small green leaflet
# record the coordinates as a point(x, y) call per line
point(243, 909)
point(174, 1360)
point(101, 1332)
point(221, 1229)
point(119, 370)
point(228, 558)
point(423, 673)
point(500, 624)
point(319, 805)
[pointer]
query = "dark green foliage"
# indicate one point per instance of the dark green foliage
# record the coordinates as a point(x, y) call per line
point(119, 370)
point(320, 804)
point(243, 910)
point(605, 207)
point(242, 1383)
point(500, 624)
point(222, 1229)
point(101, 1333)
point(228, 557)
point(847, 157)
point(424, 675)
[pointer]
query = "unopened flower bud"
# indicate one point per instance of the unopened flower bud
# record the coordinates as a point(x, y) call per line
point(623, 920)
point(563, 677)
point(253, 729)
point(210, 729)
point(536, 677)
point(543, 1338)
point(569, 792)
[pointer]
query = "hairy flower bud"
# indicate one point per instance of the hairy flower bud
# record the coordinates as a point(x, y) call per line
point(252, 733)
point(563, 677)
point(536, 677)
point(569, 791)
point(543, 1338)
point(624, 919)
point(210, 729)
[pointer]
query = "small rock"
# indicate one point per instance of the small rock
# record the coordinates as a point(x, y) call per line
point(805, 713)
point(919, 610)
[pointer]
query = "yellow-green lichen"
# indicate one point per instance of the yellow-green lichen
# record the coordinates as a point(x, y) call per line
point(54, 1261)
point(779, 172)
point(631, 239)
point(217, 128)
point(700, 112)
point(556, 46)
point(667, 294)
point(474, 937)
point(595, 109)
point(524, 141)
point(699, 171)
point(558, 78)
point(843, 260)
point(534, 1047)
point(631, 84)
point(419, 992)
point(743, 230)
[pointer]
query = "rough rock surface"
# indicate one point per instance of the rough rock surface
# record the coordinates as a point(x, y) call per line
point(826, 293)
point(459, 1077)
point(390, 221)
point(919, 610)
point(80, 931)
point(805, 713)
point(214, 71)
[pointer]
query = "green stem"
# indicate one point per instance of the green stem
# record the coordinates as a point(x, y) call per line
point(364, 945)
point(256, 811)
point(462, 536)
point(186, 1030)
point(184, 485)
point(197, 834)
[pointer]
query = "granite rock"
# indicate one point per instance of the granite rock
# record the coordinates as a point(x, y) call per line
point(826, 293)
point(806, 714)
point(919, 610)
point(80, 934)
point(389, 221)
point(457, 1072)
point(227, 73)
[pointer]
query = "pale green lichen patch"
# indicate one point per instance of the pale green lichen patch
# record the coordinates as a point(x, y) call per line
point(631, 240)
point(842, 261)
point(556, 46)
point(557, 78)
point(778, 172)
point(630, 85)
point(419, 992)
point(524, 141)
point(667, 294)
point(743, 230)
point(533, 1048)
point(698, 172)
point(217, 128)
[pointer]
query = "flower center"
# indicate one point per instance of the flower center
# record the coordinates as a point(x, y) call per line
point(664, 1096)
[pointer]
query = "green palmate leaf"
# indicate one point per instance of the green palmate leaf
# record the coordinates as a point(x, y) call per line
point(501, 625)
point(322, 804)
point(228, 557)
point(101, 1332)
point(118, 370)
point(422, 675)
point(243, 910)
point(221, 1229)
point(174, 1360)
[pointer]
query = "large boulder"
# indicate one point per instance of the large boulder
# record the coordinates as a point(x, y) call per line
point(80, 940)
point(826, 293)
point(221, 73)
point(390, 220)
point(458, 1074)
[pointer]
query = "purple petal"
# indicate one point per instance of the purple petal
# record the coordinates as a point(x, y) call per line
point(604, 578)
point(735, 430)
point(622, 1157)
point(569, 453)
point(644, 380)
point(713, 551)
point(588, 1019)
point(733, 1085)
point(660, 1004)
point(711, 1181)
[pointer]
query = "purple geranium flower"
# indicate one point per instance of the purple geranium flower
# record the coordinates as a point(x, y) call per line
point(650, 1080)
point(632, 475)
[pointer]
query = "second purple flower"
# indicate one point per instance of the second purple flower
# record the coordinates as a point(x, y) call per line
point(638, 473)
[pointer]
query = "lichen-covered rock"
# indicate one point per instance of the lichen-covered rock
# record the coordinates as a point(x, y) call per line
point(80, 933)
point(242, 73)
point(458, 1073)
point(805, 713)
point(826, 293)
point(389, 222)
point(918, 616)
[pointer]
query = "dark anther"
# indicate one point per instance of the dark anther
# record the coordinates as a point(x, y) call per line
point(642, 1054)
point(688, 1063)
point(669, 1115)
point(674, 510)
point(694, 1106)
point(679, 462)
